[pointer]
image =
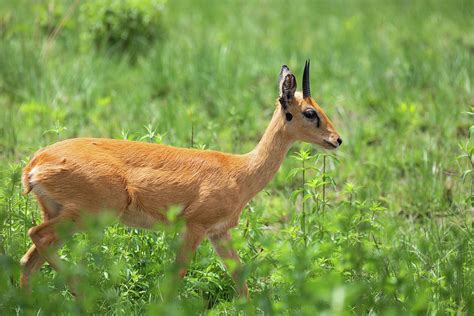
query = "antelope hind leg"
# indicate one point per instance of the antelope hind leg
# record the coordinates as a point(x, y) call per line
point(46, 242)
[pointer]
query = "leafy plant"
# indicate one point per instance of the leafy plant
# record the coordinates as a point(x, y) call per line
point(130, 26)
point(468, 158)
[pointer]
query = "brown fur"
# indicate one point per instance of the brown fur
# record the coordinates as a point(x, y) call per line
point(140, 181)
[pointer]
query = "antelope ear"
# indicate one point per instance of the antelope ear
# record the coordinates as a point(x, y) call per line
point(287, 84)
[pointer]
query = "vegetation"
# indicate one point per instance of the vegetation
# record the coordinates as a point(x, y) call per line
point(382, 226)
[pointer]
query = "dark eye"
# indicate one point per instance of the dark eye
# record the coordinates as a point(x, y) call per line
point(311, 114)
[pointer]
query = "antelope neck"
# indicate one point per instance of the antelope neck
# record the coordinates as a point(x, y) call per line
point(265, 160)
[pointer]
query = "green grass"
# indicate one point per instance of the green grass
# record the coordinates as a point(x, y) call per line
point(393, 231)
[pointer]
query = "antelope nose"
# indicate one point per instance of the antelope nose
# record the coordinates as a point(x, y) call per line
point(339, 141)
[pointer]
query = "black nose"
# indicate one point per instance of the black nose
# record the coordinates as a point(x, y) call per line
point(339, 141)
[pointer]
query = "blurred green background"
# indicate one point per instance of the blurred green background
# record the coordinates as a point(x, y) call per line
point(383, 226)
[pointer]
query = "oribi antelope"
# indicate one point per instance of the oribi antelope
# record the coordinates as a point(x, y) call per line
point(141, 181)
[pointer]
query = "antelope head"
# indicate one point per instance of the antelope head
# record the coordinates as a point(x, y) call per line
point(304, 118)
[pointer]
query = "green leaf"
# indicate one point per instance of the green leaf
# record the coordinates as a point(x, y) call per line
point(466, 173)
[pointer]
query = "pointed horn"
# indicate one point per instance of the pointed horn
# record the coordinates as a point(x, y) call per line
point(306, 85)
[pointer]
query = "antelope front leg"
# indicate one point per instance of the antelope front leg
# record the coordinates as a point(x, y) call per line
point(192, 238)
point(223, 247)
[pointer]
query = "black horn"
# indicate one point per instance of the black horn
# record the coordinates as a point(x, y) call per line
point(306, 85)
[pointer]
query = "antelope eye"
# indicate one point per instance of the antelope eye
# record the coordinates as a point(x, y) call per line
point(311, 114)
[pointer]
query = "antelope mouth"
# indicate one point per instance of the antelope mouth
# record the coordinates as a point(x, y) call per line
point(331, 144)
